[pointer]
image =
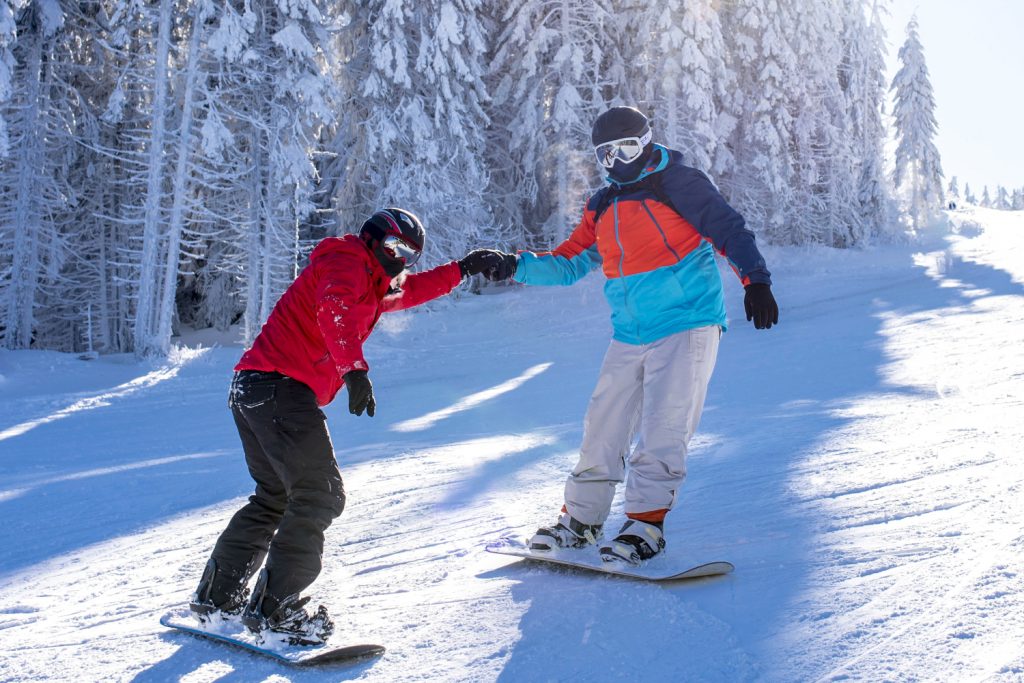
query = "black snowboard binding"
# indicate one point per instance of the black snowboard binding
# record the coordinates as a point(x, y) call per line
point(287, 616)
point(218, 592)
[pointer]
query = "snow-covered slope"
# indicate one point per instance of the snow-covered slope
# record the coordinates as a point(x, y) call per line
point(860, 464)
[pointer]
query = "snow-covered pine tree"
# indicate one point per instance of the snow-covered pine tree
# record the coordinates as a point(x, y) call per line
point(805, 89)
point(118, 125)
point(277, 94)
point(417, 120)
point(953, 191)
point(557, 66)
point(1017, 201)
point(1002, 199)
point(968, 195)
point(155, 241)
point(70, 313)
point(130, 64)
point(986, 198)
point(825, 192)
point(762, 184)
point(689, 85)
point(8, 35)
point(34, 187)
point(918, 166)
point(73, 312)
point(226, 217)
point(206, 188)
point(862, 74)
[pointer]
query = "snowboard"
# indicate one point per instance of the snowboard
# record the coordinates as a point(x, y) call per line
point(665, 566)
point(233, 633)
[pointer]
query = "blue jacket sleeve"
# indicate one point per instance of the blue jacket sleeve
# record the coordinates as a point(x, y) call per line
point(697, 200)
point(552, 269)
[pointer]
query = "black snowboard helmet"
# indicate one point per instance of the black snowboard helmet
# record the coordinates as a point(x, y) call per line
point(396, 237)
point(622, 123)
point(618, 123)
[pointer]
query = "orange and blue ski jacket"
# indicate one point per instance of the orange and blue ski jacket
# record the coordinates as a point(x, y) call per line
point(657, 252)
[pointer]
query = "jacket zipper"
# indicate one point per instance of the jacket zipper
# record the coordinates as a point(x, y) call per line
point(664, 237)
point(622, 272)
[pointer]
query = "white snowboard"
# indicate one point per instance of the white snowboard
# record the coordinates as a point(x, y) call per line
point(667, 566)
point(234, 634)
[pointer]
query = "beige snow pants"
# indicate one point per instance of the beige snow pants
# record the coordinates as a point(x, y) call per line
point(654, 391)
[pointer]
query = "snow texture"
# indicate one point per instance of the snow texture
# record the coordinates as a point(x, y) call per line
point(859, 464)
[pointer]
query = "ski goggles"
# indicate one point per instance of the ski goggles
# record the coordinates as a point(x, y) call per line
point(397, 248)
point(623, 149)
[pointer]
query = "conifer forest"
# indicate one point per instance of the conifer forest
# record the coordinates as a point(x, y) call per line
point(169, 163)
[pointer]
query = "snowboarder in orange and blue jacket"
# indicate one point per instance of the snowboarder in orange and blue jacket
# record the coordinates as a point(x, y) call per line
point(653, 231)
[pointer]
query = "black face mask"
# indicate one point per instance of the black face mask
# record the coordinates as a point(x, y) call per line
point(624, 173)
point(392, 266)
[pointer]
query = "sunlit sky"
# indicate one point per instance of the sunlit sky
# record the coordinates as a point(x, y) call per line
point(975, 55)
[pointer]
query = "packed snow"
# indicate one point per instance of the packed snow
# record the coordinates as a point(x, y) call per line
point(859, 464)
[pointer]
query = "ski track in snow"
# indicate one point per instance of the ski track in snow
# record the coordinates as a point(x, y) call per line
point(859, 465)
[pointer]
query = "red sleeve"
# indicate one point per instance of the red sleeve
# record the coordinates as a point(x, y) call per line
point(581, 239)
point(345, 309)
point(419, 288)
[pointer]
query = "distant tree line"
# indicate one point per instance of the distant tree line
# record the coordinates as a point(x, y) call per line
point(1003, 199)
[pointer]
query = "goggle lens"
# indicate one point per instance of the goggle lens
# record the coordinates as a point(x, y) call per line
point(397, 248)
point(625, 150)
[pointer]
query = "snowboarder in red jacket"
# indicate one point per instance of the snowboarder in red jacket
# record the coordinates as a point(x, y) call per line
point(310, 346)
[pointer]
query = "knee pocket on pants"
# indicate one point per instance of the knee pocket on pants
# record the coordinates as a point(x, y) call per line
point(305, 421)
point(325, 505)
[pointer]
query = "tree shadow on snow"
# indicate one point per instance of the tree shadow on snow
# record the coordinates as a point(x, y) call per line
point(104, 473)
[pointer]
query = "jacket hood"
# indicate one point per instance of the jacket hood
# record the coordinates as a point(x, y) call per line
point(353, 246)
point(349, 244)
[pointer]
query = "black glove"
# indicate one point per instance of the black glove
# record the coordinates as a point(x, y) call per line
point(760, 305)
point(360, 393)
point(478, 261)
point(505, 268)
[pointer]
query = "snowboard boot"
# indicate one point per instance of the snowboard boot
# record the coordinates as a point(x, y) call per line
point(287, 616)
point(637, 541)
point(218, 591)
point(566, 533)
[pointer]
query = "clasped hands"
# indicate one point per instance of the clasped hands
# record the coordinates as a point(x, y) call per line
point(494, 265)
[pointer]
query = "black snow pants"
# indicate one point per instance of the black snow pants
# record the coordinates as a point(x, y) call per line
point(299, 491)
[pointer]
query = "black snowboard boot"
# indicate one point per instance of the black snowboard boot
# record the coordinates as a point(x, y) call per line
point(286, 616)
point(218, 591)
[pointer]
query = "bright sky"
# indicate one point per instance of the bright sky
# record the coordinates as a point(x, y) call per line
point(975, 55)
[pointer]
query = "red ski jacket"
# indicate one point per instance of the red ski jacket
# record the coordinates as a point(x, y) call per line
point(316, 331)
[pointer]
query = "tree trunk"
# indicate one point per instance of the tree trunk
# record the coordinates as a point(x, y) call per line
point(170, 279)
point(150, 303)
point(254, 243)
point(26, 210)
